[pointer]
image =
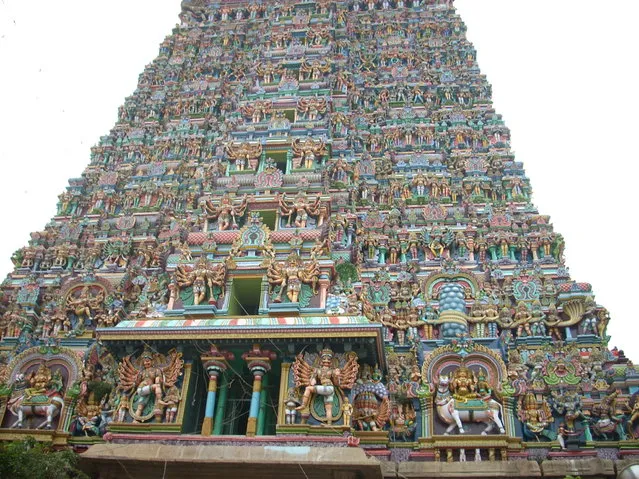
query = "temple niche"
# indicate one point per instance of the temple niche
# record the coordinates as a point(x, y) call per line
point(149, 388)
point(466, 388)
point(307, 228)
point(38, 388)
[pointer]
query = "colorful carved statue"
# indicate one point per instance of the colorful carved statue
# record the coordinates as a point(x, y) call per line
point(291, 403)
point(535, 414)
point(607, 419)
point(145, 379)
point(38, 394)
point(634, 417)
point(299, 210)
point(85, 303)
point(457, 400)
point(290, 275)
point(400, 322)
point(226, 212)
point(325, 379)
point(204, 278)
point(306, 152)
point(244, 155)
point(371, 401)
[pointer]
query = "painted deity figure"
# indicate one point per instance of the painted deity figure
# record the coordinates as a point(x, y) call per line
point(478, 319)
point(607, 418)
point(291, 404)
point(325, 379)
point(371, 401)
point(147, 378)
point(290, 276)
point(244, 155)
point(170, 401)
point(203, 278)
point(634, 418)
point(226, 212)
point(568, 404)
point(39, 382)
point(347, 411)
point(535, 414)
point(299, 210)
point(148, 384)
point(38, 394)
point(462, 398)
point(400, 322)
point(85, 305)
point(464, 384)
point(523, 319)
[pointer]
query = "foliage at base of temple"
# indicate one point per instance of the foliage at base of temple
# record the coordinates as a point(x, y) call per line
point(29, 459)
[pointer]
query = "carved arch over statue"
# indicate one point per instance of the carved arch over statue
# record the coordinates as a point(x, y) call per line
point(84, 302)
point(86, 280)
point(470, 355)
point(436, 280)
point(64, 368)
point(465, 379)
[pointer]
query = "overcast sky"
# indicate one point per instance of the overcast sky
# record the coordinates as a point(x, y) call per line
point(563, 75)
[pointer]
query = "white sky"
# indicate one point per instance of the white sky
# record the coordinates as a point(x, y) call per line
point(563, 77)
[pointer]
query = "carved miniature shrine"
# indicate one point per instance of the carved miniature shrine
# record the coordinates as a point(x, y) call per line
point(307, 225)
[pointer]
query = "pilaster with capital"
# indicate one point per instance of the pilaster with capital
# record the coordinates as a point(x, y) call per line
point(215, 362)
point(259, 363)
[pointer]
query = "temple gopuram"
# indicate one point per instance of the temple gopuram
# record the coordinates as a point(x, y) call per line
point(306, 249)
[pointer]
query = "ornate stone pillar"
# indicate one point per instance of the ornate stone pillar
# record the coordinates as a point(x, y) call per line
point(220, 410)
point(324, 283)
point(426, 406)
point(509, 415)
point(259, 363)
point(264, 296)
point(215, 363)
point(227, 295)
point(261, 415)
point(70, 403)
point(285, 369)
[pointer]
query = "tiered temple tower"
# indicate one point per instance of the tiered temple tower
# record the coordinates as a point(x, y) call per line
point(307, 228)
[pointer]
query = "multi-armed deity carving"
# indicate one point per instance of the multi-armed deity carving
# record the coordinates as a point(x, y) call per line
point(300, 209)
point(535, 415)
point(269, 72)
point(204, 281)
point(148, 387)
point(313, 69)
point(307, 152)
point(609, 418)
point(290, 276)
point(324, 383)
point(257, 111)
point(94, 402)
point(227, 212)
point(244, 155)
point(85, 307)
point(311, 109)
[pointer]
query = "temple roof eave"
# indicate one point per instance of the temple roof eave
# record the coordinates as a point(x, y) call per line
point(344, 328)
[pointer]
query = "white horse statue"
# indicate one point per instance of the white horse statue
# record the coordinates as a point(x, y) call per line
point(453, 412)
point(46, 405)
